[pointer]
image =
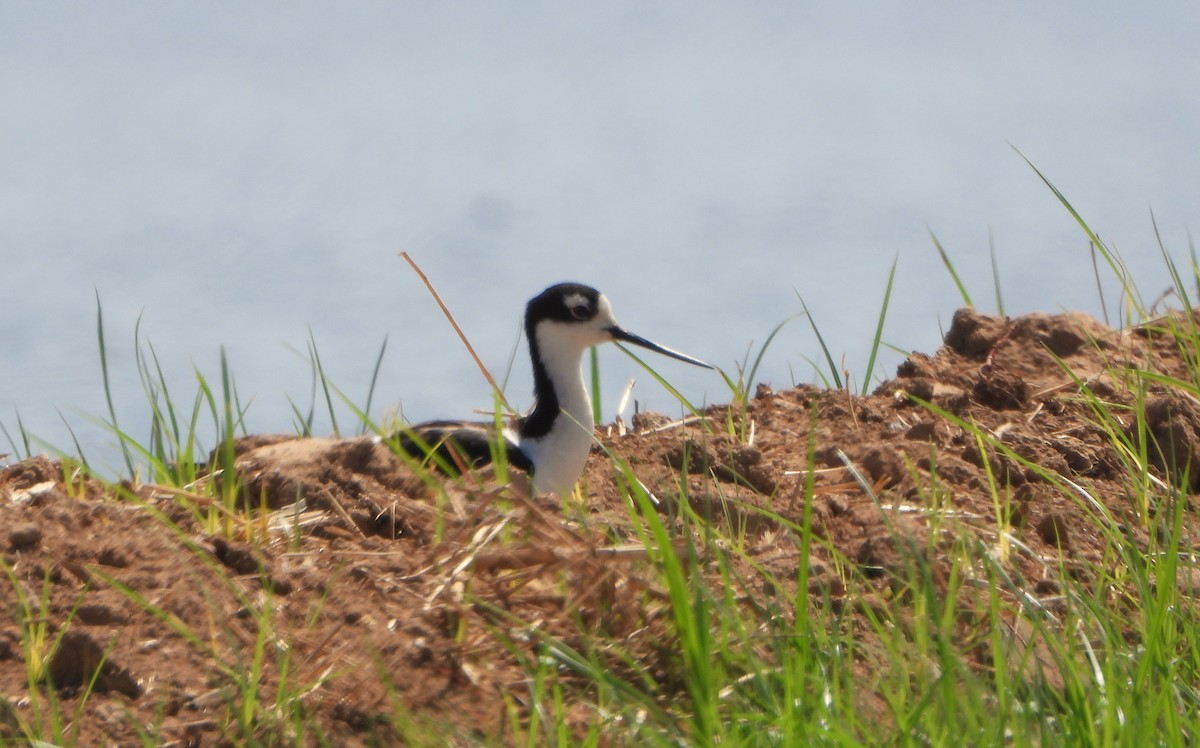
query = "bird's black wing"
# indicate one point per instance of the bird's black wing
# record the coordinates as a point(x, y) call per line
point(453, 445)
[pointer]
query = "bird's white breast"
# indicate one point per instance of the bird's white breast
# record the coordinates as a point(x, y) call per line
point(560, 456)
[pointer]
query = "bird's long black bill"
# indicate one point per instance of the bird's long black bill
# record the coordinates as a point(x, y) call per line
point(628, 337)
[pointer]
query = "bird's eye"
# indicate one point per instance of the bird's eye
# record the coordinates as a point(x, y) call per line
point(580, 311)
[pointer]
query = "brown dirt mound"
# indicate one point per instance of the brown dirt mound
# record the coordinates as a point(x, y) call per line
point(379, 597)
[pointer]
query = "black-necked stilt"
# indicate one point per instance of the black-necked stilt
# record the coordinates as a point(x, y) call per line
point(552, 442)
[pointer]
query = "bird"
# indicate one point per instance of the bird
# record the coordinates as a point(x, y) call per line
point(552, 441)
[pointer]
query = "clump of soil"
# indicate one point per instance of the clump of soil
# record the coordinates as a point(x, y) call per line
point(376, 593)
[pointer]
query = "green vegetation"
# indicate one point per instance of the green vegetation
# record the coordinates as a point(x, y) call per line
point(747, 656)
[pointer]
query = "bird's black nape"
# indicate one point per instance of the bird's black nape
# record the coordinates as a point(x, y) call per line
point(562, 302)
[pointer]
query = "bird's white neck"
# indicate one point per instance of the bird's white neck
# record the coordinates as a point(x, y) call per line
point(559, 453)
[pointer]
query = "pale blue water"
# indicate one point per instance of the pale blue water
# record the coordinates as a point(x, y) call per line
point(238, 175)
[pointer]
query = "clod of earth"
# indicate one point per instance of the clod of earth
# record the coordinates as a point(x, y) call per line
point(381, 594)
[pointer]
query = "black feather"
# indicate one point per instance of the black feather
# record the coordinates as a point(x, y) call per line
point(551, 305)
point(449, 445)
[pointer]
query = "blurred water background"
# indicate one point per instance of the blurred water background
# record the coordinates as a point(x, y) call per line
point(243, 175)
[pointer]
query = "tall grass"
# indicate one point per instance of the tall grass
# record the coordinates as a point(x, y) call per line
point(49, 720)
point(750, 656)
point(835, 379)
point(1111, 660)
point(21, 450)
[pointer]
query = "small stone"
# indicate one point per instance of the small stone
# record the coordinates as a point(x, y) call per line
point(1047, 587)
point(419, 652)
point(279, 585)
point(882, 463)
point(80, 659)
point(101, 614)
point(23, 536)
point(236, 556)
point(1002, 391)
point(1053, 530)
point(919, 387)
point(114, 557)
point(925, 431)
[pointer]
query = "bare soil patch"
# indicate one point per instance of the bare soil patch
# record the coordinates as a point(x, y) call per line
point(380, 598)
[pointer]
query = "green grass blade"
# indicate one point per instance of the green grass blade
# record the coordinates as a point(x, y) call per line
point(690, 608)
point(112, 410)
point(315, 357)
point(24, 438)
point(1178, 285)
point(763, 352)
point(1110, 256)
point(374, 381)
point(658, 378)
point(172, 418)
point(1099, 285)
point(1195, 266)
point(996, 274)
point(594, 360)
point(962, 289)
point(74, 438)
point(833, 369)
point(887, 296)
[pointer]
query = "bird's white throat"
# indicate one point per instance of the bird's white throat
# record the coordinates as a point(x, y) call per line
point(560, 456)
